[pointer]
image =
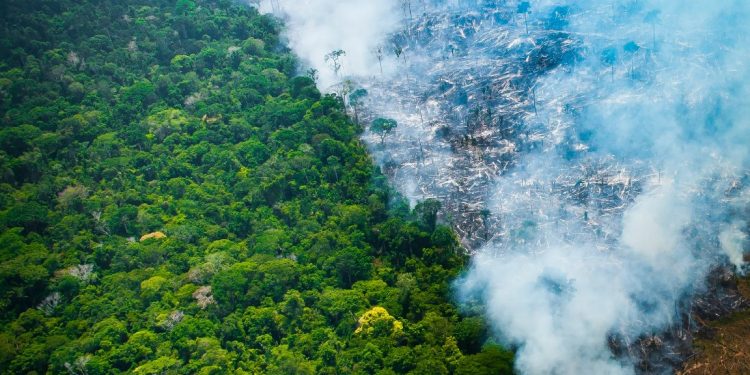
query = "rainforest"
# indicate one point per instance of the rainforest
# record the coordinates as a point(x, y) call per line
point(374, 187)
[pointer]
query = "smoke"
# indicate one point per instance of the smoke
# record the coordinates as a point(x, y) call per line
point(315, 28)
point(593, 155)
point(662, 84)
point(733, 241)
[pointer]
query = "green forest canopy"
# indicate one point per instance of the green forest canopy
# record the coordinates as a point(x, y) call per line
point(174, 199)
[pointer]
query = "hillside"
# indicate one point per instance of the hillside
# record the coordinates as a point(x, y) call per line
point(175, 198)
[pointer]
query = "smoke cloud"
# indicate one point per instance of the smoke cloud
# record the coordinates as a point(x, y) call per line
point(315, 28)
point(662, 85)
point(593, 155)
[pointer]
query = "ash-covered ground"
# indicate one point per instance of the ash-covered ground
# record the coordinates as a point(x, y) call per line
point(483, 130)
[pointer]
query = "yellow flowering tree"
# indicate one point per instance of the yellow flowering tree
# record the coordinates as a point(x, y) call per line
point(378, 322)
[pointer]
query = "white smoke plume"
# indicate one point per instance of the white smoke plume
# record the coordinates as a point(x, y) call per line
point(673, 95)
point(315, 28)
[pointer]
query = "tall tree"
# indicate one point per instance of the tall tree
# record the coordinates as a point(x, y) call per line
point(382, 127)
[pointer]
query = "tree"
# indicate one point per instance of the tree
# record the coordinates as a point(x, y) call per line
point(160, 365)
point(338, 304)
point(406, 5)
point(378, 322)
point(427, 211)
point(378, 51)
point(333, 59)
point(72, 197)
point(356, 99)
point(631, 48)
point(398, 50)
point(287, 362)
point(452, 353)
point(653, 17)
point(351, 264)
point(524, 7)
point(17, 140)
point(608, 58)
point(230, 286)
point(184, 7)
point(470, 334)
point(382, 127)
point(312, 73)
point(150, 288)
point(491, 360)
point(292, 307)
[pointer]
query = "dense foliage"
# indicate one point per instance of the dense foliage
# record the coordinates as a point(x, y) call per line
point(174, 200)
